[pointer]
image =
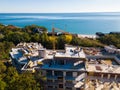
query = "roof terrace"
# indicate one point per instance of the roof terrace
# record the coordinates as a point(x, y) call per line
point(72, 52)
point(103, 65)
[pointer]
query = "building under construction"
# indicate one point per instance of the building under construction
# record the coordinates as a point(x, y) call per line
point(74, 68)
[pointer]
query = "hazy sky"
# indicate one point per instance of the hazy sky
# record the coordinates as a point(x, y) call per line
point(41, 6)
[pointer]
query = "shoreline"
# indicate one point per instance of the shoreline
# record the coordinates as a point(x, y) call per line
point(49, 31)
point(87, 36)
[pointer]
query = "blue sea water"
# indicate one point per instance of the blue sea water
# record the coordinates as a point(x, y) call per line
point(82, 23)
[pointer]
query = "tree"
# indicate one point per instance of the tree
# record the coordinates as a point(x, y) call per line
point(35, 37)
point(40, 79)
point(51, 40)
point(2, 85)
point(34, 29)
point(110, 39)
point(2, 75)
point(44, 39)
point(26, 81)
point(15, 81)
point(64, 39)
point(5, 48)
point(2, 67)
point(11, 77)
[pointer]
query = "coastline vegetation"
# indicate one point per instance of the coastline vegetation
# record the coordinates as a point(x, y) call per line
point(110, 39)
point(10, 79)
point(10, 36)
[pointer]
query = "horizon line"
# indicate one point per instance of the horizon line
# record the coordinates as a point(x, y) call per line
point(60, 12)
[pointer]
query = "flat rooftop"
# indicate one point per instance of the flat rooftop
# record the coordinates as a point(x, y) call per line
point(103, 68)
point(103, 61)
point(99, 85)
point(102, 65)
point(23, 50)
point(71, 52)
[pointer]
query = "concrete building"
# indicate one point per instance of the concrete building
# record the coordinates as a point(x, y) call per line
point(103, 70)
point(73, 68)
point(66, 71)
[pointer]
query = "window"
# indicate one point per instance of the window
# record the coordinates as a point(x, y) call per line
point(49, 80)
point(68, 88)
point(60, 78)
point(58, 73)
point(78, 89)
point(61, 62)
point(69, 81)
point(69, 74)
point(50, 86)
point(60, 85)
point(49, 72)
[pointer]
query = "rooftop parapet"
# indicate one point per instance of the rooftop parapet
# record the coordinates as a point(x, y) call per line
point(71, 52)
point(112, 49)
point(103, 68)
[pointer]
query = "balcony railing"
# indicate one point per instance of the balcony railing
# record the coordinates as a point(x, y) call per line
point(78, 78)
point(58, 81)
point(52, 83)
point(69, 78)
point(68, 67)
point(69, 84)
point(51, 77)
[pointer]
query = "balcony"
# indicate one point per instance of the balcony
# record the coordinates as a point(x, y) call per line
point(69, 84)
point(78, 78)
point(58, 74)
point(51, 77)
point(58, 81)
point(104, 79)
point(68, 67)
point(71, 78)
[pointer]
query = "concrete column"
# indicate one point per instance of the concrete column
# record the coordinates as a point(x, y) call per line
point(102, 75)
point(44, 73)
point(64, 81)
point(74, 74)
point(109, 76)
point(53, 74)
point(85, 81)
point(115, 77)
point(73, 88)
point(64, 74)
point(64, 61)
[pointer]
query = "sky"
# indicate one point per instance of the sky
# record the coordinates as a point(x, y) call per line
point(58, 6)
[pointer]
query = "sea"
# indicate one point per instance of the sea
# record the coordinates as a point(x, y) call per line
point(77, 23)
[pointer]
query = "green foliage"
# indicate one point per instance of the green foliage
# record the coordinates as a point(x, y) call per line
point(35, 37)
point(26, 81)
point(2, 85)
point(34, 29)
point(1, 37)
point(2, 68)
point(17, 37)
point(51, 40)
point(5, 48)
point(85, 42)
point(111, 39)
point(11, 35)
point(44, 39)
point(11, 80)
point(64, 39)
